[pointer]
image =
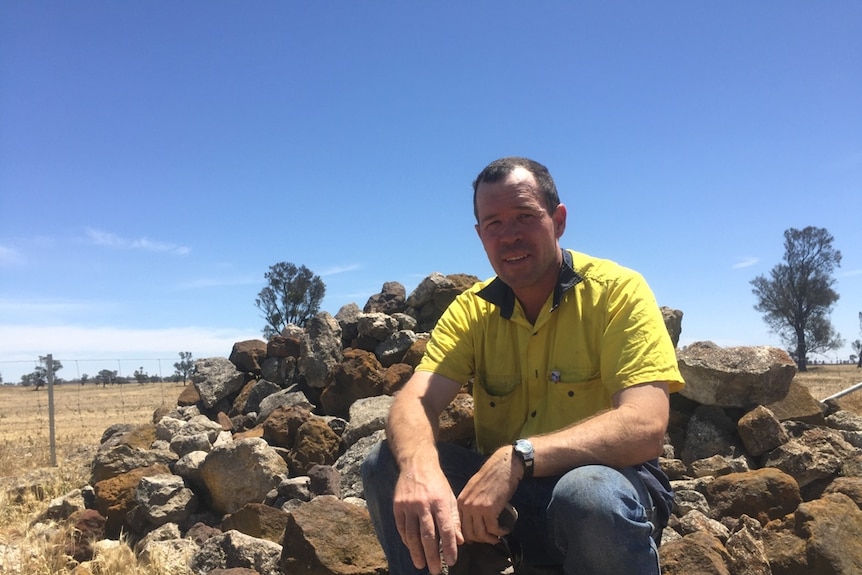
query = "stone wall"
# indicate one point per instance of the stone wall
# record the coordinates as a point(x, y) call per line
point(256, 467)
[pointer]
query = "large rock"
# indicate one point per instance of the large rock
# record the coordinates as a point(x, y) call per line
point(735, 376)
point(763, 494)
point(232, 549)
point(248, 355)
point(258, 520)
point(280, 427)
point(698, 553)
point(818, 453)
point(367, 415)
point(316, 444)
point(115, 497)
point(123, 458)
point(330, 537)
point(391, 299)
point(165, 499)
point(216, 378)
point(673, 323)
point(710, 432)
point(393, 349)
point(746, 549)
point(798, 405)
point(434, 294)
point(832, 527)
point(761, 431)
point(321, 350)
point(357, 376)
point(376, 327)
point(241, 472)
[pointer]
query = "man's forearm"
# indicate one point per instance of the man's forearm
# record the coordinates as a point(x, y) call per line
point(411, 433)
point(412, 427)
point(627, 435)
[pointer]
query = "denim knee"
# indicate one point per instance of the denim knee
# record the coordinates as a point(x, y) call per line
point(598, 519)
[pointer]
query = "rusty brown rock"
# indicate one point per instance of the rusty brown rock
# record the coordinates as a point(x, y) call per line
point(456, 421)
point(279, 429)
point(115, 497)
point(258, 520)
point(832, 528)
point(86, 527)
point(415, 353)
point(395, 377)
point(761, 431)
point(358, 375)
point(248, 355)
point(698, 553)
point(327, 536)
point(284, 346)
point(798, 405)
point(763, 494)
point(316, 444)
point(188, 396)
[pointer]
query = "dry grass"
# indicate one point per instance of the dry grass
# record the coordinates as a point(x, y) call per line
point(825, 380)
point(82, 413)
point(28, 481)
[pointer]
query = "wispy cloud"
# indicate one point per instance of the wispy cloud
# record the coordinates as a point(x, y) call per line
point(745, 263)
point(202, 283)
point(109, 240)
point(851, 273)
point(10, 256)
point(47, 307)
point(339, 270)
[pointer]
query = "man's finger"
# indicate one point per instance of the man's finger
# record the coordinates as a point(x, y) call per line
point(430, 546)
point(449, 528)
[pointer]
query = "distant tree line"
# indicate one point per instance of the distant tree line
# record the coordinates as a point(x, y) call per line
point(38, 378)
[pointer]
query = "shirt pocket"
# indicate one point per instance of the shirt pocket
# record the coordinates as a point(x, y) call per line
point(574, 396)
point(498, 407)
point(499, 385)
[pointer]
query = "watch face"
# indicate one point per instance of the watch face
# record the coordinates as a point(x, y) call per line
point(524, 446)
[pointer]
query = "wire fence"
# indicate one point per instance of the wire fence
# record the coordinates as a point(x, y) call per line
point(39, 426)
point(75, 370)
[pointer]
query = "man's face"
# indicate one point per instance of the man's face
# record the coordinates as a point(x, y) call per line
point(518, 234)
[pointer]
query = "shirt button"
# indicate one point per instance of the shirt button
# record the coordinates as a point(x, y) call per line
point(571, 394)
point(493, 404)
point(533, 414)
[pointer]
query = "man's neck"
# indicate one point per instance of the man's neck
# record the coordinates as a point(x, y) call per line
point(532, 301)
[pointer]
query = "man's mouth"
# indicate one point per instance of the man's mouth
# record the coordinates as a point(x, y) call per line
point(514, 259)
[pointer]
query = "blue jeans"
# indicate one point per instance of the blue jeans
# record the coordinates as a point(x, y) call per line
point(592, 520)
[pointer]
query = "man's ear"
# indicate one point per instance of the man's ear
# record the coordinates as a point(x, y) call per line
point(478, 233)
point(559, 218)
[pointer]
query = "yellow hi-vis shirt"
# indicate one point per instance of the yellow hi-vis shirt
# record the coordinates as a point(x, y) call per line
point(599, 332)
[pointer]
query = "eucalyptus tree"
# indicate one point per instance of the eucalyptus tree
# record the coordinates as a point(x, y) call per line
point(798, 295)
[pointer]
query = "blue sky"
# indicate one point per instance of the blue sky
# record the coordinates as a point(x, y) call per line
point(157, 157)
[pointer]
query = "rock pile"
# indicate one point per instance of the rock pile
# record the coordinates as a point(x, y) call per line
point(255, 470)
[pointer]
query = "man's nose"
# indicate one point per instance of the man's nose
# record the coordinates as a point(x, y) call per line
point(510, 231)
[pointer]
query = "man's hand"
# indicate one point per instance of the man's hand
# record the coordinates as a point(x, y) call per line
point(485, 495)
point(426, 514)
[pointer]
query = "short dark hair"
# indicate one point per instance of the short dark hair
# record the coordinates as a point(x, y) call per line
point(499, 169)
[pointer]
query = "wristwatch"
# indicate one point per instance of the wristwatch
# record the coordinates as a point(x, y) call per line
point(523, 450)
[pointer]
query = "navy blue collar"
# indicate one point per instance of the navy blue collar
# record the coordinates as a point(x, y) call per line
point(501, 295)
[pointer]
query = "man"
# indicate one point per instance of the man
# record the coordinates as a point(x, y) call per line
point(570, 366)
